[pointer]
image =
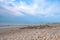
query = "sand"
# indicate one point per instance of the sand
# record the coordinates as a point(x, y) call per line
point(46, 32)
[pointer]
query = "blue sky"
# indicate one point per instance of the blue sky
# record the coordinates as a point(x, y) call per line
point(29, 11)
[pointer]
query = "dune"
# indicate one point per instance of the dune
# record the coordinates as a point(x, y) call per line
point(41, 32)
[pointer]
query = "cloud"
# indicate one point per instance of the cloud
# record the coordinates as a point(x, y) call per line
point(34, 8)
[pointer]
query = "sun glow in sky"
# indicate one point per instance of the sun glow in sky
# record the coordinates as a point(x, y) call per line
point(30, 11)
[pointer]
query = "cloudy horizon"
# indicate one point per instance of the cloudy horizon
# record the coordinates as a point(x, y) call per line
point(29, 11)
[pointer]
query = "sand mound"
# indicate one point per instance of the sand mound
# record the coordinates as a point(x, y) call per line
point(33, 33)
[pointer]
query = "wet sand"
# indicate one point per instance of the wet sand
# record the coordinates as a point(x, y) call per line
point(42, 32)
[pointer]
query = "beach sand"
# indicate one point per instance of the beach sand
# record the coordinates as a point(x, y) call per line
point(42, 32)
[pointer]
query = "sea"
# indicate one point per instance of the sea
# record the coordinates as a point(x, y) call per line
point(10, 25)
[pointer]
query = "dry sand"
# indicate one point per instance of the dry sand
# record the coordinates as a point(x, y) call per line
point(44, 32)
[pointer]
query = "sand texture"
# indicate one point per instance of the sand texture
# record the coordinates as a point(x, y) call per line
point(42, 32)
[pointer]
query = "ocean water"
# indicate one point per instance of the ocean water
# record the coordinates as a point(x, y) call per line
point(9, 25)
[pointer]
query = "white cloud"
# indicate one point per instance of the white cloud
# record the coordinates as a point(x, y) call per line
point(37, 8)
point(1, 0)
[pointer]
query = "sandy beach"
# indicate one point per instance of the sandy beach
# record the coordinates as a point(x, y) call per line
point(42, 32)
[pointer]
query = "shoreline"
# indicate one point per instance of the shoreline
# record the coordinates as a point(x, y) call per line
point(2, 29)
point(42, 32)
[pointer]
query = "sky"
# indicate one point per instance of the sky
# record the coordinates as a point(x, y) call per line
point(29, 11)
